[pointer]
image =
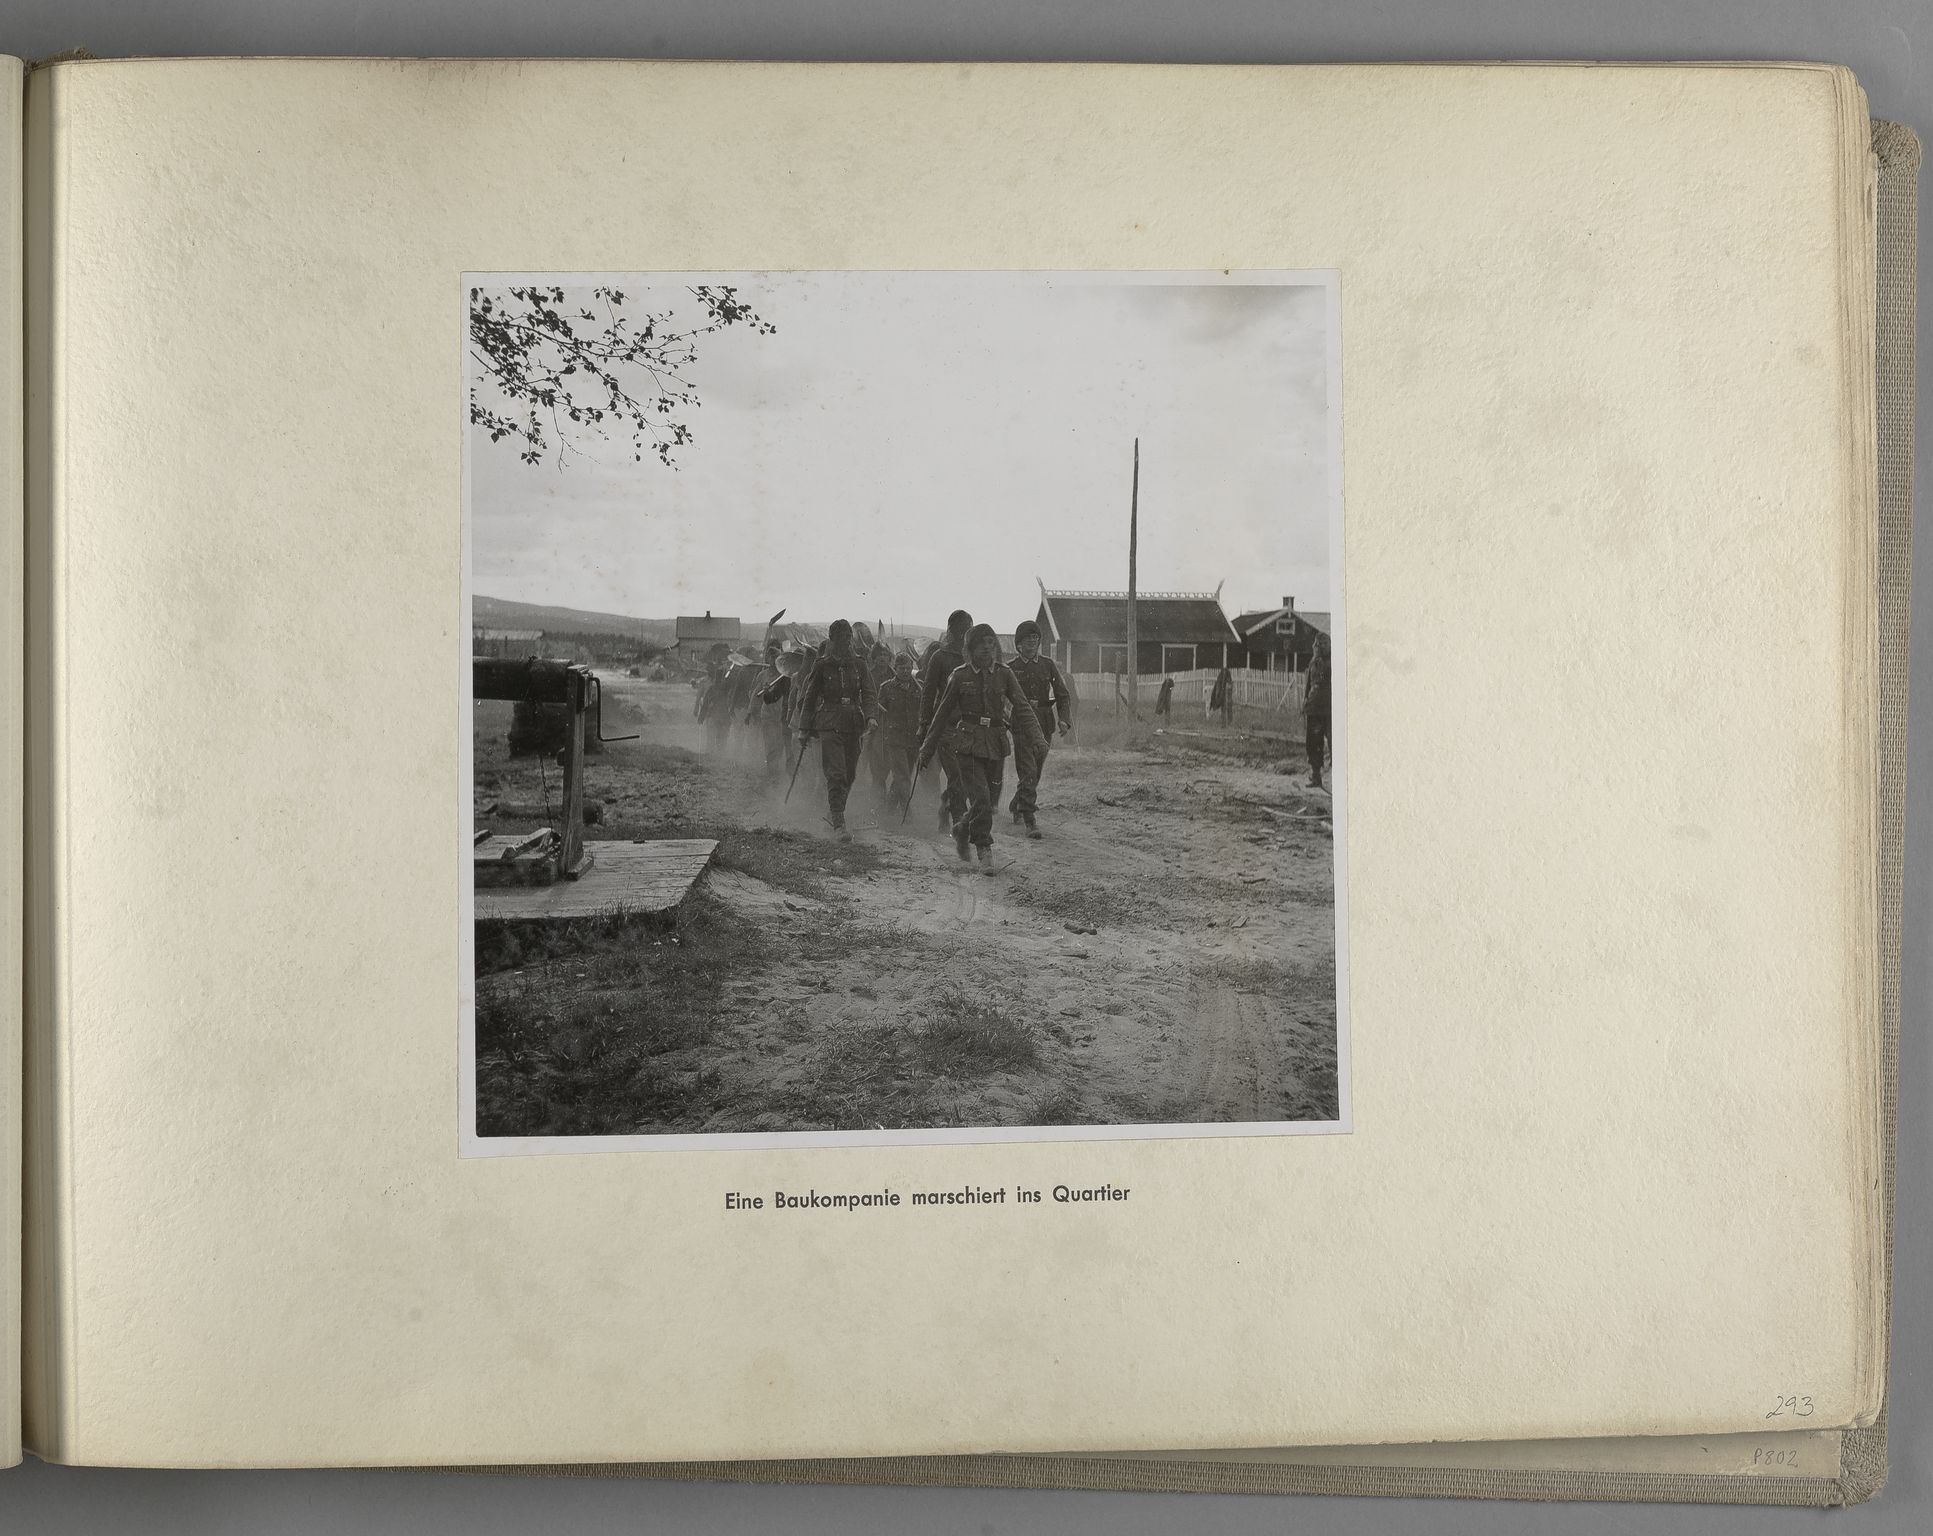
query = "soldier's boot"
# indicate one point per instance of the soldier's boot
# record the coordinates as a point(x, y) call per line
point(960, 843)
point(946, 817)
point(986, 861)
point(1032, 830)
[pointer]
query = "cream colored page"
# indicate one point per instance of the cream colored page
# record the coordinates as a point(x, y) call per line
point(12, 753)
point(1597, 485)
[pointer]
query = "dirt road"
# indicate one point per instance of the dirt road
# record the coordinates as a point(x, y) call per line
point(1165, 955)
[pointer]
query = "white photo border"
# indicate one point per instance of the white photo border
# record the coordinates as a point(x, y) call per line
point(471, 1145)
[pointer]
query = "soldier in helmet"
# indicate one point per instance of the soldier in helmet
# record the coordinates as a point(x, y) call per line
point(940, 662)
point(897, 740)
point(981, 703)
point(1053, 702)
point(838, 708)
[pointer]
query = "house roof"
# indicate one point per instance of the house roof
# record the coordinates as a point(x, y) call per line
point(1248, 624)
point(706, 628)
point(1178, 618)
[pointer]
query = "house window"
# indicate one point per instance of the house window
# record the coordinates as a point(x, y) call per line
point(1285, 626)
point(1114, 658)
point(1177, 658)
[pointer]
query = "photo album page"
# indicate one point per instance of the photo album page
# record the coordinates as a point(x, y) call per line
point(833, 761)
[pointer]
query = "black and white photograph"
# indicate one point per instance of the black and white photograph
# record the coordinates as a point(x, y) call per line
point(902, 707)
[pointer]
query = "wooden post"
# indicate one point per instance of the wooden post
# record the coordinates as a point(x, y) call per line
point(1134, 639)
point(571, 862)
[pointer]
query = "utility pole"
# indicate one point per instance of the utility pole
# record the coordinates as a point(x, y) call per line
point(1134, 532)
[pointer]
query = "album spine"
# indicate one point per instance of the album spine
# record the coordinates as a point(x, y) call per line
point(12, 750)
point(46, 1270)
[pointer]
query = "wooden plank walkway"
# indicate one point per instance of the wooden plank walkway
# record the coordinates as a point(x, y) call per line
point(646, 878)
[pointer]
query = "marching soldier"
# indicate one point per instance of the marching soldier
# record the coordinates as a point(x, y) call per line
point(940, 662)
point(1315, 710)
point(772, 707)
point(838, 708)
point(713, 707)
point(981, 703)
point(1053, 702)
point(878, 660)
point(897, 740)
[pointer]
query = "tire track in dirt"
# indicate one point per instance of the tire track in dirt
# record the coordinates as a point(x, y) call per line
point(1200, 998)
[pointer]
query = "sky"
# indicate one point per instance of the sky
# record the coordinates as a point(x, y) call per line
point(911, 443)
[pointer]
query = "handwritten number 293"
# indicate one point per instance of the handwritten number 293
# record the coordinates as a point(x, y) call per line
point(1796, 1407)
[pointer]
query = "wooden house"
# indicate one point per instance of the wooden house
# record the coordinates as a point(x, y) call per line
point(1281, 639)
point(1174, 632)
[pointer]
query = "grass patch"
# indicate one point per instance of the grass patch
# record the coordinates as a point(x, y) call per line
point(1060, 1106)
point(968, 1039)
point(602, 1027)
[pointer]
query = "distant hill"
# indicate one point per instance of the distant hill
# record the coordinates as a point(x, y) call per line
point(501, 613)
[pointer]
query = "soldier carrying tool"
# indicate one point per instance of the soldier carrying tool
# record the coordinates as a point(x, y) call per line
point(1053, 702)
point(897, 741)
point(940, 662)
point(981, 702)
point(771, 707)
point(838, 708)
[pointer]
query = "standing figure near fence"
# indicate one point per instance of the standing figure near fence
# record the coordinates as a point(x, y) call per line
point(1315, 711)
point(897, 740)
point(1164, 698)
point(1222, 700)
point(982, 702)
point(838, 708)
point(1053, 702)
point(939, 667)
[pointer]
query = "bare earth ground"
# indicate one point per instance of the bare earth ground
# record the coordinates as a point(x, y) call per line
point(811, 985)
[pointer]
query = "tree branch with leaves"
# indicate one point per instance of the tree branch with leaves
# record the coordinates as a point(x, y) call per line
point(548, 367)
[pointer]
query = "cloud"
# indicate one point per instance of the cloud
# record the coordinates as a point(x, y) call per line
point(908, 443)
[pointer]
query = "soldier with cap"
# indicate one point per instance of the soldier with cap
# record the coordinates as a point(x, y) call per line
point(897, 741)
point(1315, 710)
point(982, 701)
point(940, 662)
point(771, 707)
point(838, 708)
point(1053, 702)
point(713, 706)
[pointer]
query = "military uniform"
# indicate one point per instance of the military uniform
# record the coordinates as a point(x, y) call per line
point(1052, 700)
point(974, 715)
point(772, 709)
point(838, 706)
point(939, 667)
point(1222, 700)
point(880, 663)
point(897, 741)
point(1315, 714)
point(714, 706)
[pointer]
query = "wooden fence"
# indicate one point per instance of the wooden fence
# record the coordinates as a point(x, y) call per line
point(1278, 696)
